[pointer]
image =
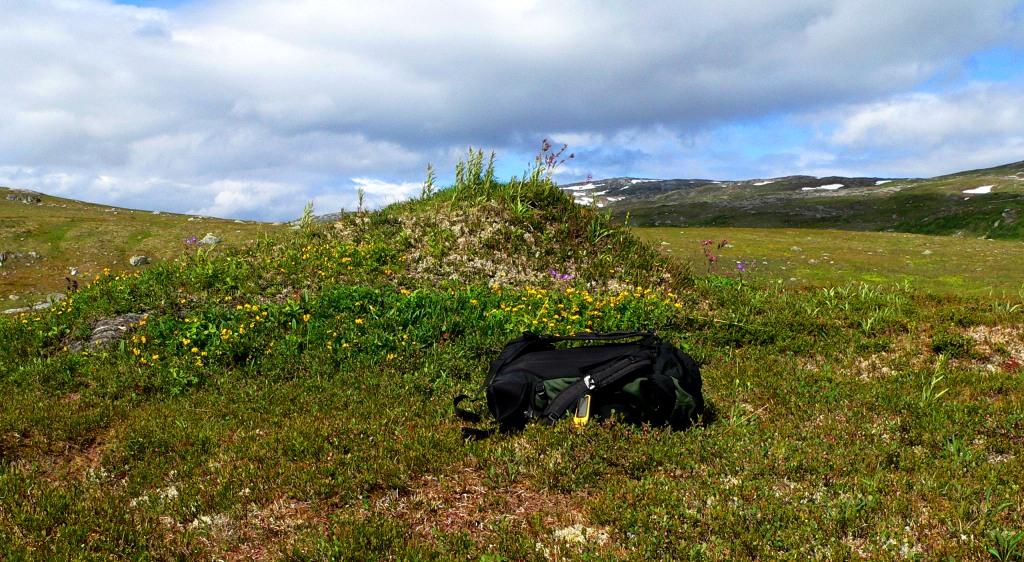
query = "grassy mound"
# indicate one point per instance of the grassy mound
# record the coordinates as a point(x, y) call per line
point(292, 398)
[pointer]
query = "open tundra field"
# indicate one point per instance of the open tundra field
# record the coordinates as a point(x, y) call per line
point(42, 237)
point(822, 258)
point(291, 399)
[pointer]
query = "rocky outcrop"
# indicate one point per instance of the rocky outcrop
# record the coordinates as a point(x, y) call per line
point(11, 256)
point(108, 330)
point(210, 240)
point(25, 196)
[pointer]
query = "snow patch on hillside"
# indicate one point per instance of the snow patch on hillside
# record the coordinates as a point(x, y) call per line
point(582, 187)
point(829, 187)
point(980, 190)
point(882, 182)
point(764, 182)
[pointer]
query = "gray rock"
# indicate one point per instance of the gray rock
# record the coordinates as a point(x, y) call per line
point(138, 260)
point(25, 196)
point(108, 330)
point(50, 300)
point(210, 240)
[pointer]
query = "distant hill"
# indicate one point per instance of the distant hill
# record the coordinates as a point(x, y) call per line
point(983, 203)
point(43, 237)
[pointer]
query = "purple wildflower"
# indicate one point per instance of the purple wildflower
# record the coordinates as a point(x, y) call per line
point(558, 276)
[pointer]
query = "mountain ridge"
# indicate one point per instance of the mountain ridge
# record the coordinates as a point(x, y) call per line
point(984, 202)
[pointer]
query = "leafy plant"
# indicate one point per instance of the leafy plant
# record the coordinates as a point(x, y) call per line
point(1006, 546)
point(930, 393)
point(307, 219)
point(952, 344)
point(428, 184)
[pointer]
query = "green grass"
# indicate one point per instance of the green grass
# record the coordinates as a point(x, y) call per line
point(291, 399)
point(822, 258)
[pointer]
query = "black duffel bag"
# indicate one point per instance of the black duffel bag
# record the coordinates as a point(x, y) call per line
point(634, 376)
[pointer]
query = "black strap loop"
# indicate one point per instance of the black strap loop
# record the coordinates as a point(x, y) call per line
point(464, 414)
point(474, 434)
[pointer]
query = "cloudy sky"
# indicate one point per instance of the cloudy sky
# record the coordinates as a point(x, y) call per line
point(251, 108)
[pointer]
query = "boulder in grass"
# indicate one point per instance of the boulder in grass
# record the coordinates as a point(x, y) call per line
point(136, 261)
point(210, 240)
point(108, 330)
point(25, 196)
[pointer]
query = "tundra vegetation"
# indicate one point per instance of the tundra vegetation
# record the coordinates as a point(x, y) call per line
point(291, 398)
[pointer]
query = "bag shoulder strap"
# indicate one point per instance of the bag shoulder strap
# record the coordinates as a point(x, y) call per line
point(596, 379)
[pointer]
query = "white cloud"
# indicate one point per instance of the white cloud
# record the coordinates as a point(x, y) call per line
point(302, 96)
point(377, 193)
point(232, 198)
point(934, 119)
point(386, 190)
point(978, 126)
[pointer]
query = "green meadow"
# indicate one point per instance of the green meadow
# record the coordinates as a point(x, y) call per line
point(822, 258)
point(290, 397)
